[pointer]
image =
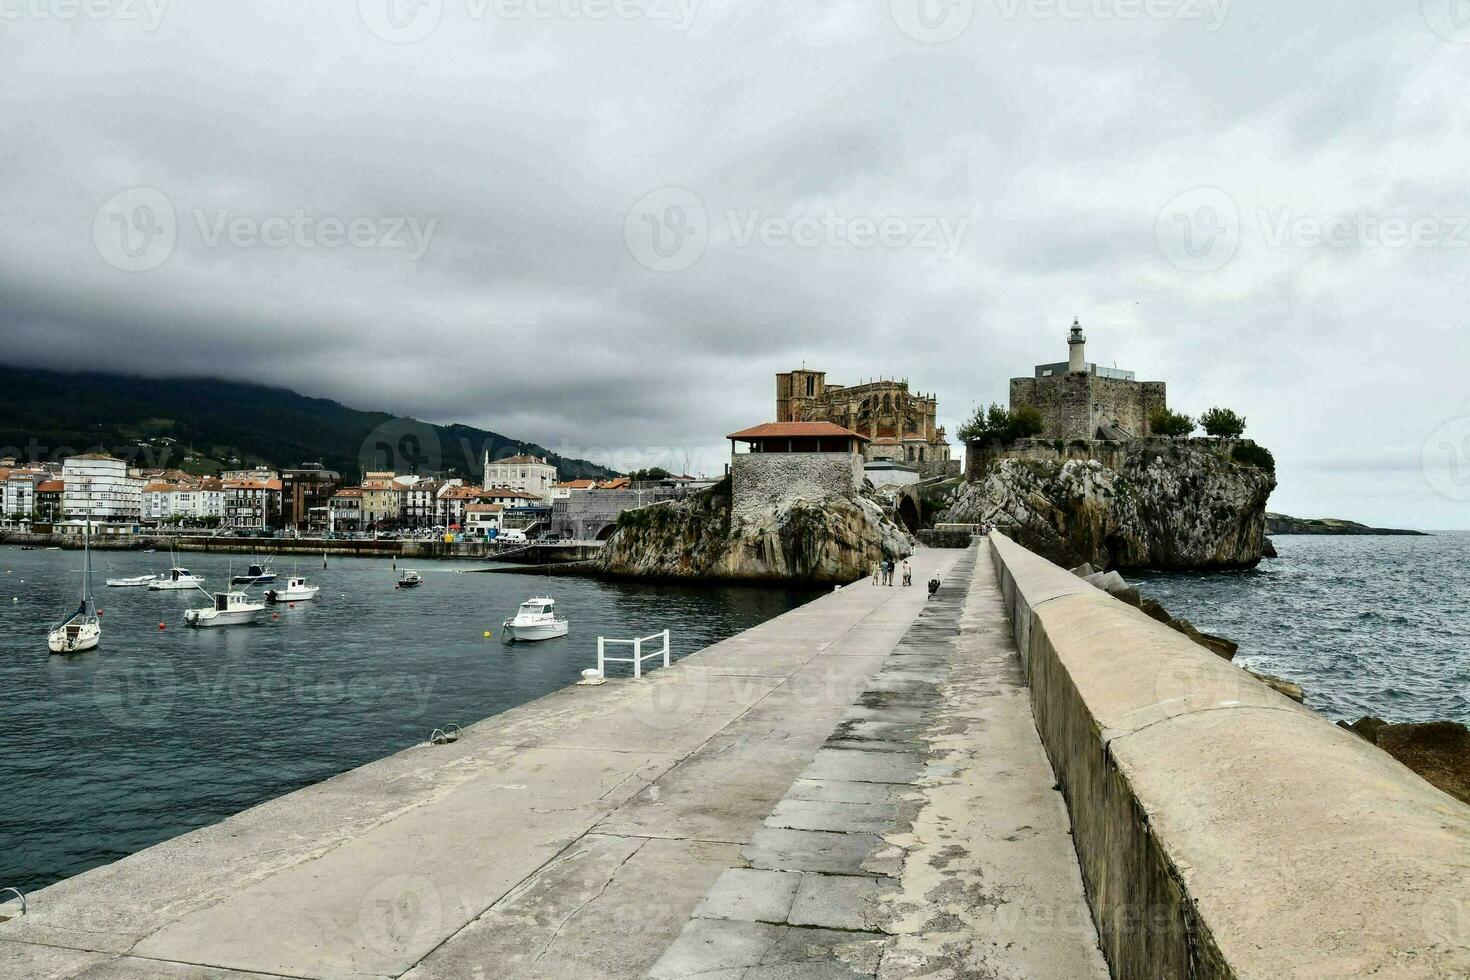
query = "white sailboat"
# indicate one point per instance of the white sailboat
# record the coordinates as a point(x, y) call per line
point(536, 619)
point(135, 582)
point(229, 609)
point(82, 630)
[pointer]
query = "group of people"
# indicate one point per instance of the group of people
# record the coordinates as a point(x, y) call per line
point(883, 572)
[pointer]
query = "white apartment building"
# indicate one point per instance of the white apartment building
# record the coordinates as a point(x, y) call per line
point(530, 474)
point(20, 494)
point(99, 486)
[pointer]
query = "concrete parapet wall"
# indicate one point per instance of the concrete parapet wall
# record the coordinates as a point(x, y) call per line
point(1223, 830)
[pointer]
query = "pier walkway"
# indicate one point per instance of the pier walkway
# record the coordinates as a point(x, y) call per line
point(855, 788)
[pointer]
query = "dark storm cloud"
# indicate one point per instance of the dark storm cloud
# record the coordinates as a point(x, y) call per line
point(1061, 151)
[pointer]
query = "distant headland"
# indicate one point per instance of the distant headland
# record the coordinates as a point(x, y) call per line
point(1282, 524)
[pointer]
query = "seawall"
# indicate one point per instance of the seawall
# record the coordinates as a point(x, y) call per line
point(1224, 831)
point(339, 547)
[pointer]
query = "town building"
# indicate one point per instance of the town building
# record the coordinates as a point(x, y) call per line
point(531, 474)
point(452, 499)
point(48, 501)
point(344, 510)
point(482, 519)
point(897, 424)
point(99, 486)
point(1081, 400)
point(306, 488)
point(420, 501)
point(262, 474)
point(20, 493)
point(790, 461)
point(252, 504)
point(382, 502)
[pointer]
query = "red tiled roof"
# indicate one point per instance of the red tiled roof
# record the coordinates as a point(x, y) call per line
point(484, 509)
point(50, 486)
point(519, 460)
point(577, 484)
point(349, 492)
point(795, 430)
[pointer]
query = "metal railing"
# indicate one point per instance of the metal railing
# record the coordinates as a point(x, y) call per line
point(638, 655)
point(18, 894)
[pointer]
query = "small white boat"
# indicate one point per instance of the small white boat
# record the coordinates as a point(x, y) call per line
point(136, 582)
point(255, 575)
point(82, 630)
point(229, 609)
point(410, 579)
point(175, 578)
point(296, 590)
point(536, 619)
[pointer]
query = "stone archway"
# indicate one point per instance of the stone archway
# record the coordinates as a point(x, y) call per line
point(606, 532)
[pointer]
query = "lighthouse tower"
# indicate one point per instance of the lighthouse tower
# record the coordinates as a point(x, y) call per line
point(1076, 345)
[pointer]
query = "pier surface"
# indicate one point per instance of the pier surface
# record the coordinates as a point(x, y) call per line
point(870, 756)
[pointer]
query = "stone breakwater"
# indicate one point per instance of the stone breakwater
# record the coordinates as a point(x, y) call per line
point(1223, 830)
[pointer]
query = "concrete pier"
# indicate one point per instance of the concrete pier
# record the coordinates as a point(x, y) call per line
point(576, 836)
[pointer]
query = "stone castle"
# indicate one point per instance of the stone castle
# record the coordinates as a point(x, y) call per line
point(898, 425)
point(1078, 400)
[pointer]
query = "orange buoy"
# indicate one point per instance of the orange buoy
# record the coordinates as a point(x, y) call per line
point(163, 626)
point(275, 615)
point(290, 605)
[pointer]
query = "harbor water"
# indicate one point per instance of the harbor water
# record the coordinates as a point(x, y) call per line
point(159, 732)
point(1369, 625)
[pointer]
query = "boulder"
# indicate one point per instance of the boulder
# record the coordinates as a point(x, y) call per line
point(1218, 645)
point(1281, 686)
point(1152, 607)
point(1268, 550)
point(1110, 582)
point(1083, 570)
point(1437, 750)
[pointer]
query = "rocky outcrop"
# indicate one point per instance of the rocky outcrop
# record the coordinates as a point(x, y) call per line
point(1437, 750)
point(1179, 507)
point(833, 539)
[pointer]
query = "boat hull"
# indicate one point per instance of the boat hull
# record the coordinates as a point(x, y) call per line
point(130, 583)
point(172, 586)
point(86, 638)
point(293, 595)
point(253, 580)
point(203, 618)
point(537, 631)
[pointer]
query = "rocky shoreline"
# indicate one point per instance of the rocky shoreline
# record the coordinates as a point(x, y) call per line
point(1283, 524)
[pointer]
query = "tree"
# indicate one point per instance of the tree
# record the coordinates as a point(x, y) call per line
point(1166, 423)
point(997, 424)
point(1222, 422)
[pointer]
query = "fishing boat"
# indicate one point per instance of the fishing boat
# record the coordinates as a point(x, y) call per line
point(82, 630)
point(536, 619)
point(175, 578)
point(410, 579)
point(255, 575)
point(229, 609)
point(296, 590)
point(135, 582)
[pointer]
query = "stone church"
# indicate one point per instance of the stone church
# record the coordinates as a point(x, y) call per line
point(1078, 400)
point(899, 425)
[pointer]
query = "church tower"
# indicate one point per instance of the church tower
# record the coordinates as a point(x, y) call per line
point(1076, 345)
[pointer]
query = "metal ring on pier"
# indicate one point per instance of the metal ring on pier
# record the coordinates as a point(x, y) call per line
point(18, 894)
point(445, 735)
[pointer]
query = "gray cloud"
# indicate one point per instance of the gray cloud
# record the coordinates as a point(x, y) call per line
point(1057, 141)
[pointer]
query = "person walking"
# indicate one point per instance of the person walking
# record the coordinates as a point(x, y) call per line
point(908, 574)
point(877, 570)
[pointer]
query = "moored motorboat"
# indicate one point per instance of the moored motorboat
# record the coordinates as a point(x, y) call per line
point(175, 578)
point(229, 609)
point(410, 579)
point(255, 575)
point(536, 619)
point(296, 590)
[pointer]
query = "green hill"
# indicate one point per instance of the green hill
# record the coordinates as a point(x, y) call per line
point(203, 424)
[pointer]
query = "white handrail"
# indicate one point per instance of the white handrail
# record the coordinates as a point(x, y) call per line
point(638, 655)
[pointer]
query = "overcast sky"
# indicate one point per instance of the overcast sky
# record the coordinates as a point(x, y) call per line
point(604, 225)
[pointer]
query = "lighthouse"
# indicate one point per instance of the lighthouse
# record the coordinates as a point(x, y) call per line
point(1076, 345)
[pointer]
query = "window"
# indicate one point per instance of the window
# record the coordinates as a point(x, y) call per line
point(811, 385)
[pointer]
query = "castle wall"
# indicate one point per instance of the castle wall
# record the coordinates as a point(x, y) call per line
point(761, 480)
point(1073, 406)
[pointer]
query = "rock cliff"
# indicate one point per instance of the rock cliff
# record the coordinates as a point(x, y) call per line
point(1180, 507)
point(834, 539)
